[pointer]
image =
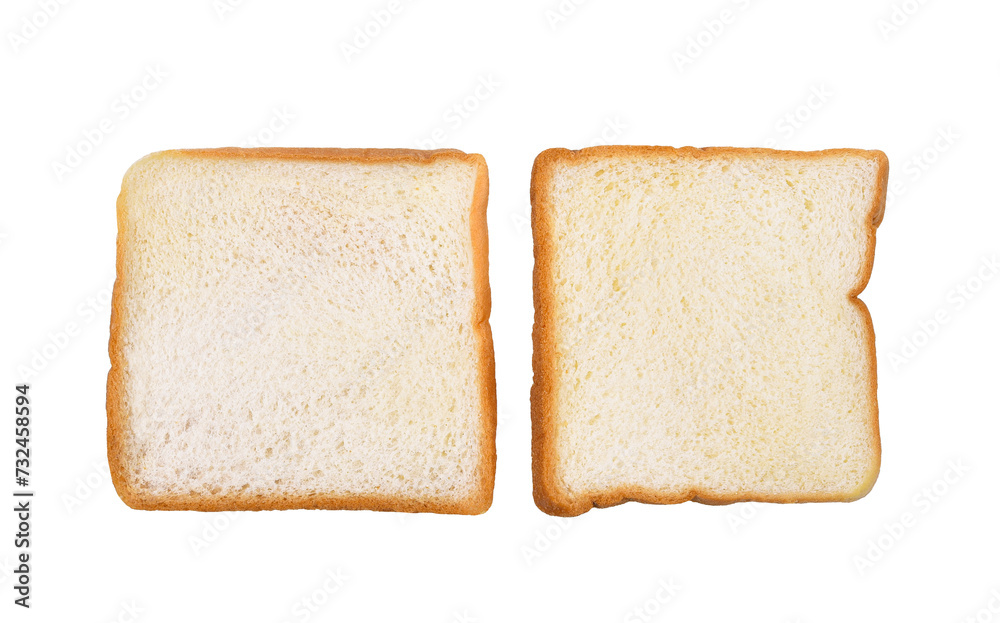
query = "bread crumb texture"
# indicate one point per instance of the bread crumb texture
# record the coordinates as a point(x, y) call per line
point(299, 332)
point(697, 331)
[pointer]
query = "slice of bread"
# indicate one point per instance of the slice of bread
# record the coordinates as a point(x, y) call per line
point(303, 328)
point(697, 330)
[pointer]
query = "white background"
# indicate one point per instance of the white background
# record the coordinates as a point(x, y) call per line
point(611, 69)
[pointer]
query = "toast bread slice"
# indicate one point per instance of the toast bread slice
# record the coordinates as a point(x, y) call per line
point(303, 328)
point(684, 299)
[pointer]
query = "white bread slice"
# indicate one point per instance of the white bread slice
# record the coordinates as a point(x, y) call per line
point(303, 328)
point(697, 330)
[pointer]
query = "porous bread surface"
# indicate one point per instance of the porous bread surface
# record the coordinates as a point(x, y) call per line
point(302, 329)
point(697, 332)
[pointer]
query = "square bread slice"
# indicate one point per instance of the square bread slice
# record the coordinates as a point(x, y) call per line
point(303, 328)
point(697, 330)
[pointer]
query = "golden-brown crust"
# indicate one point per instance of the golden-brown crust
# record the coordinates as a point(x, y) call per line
point(549, 497)
point(353, 154)
point(116, 374)
point(477, 503)
point(481, 324)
